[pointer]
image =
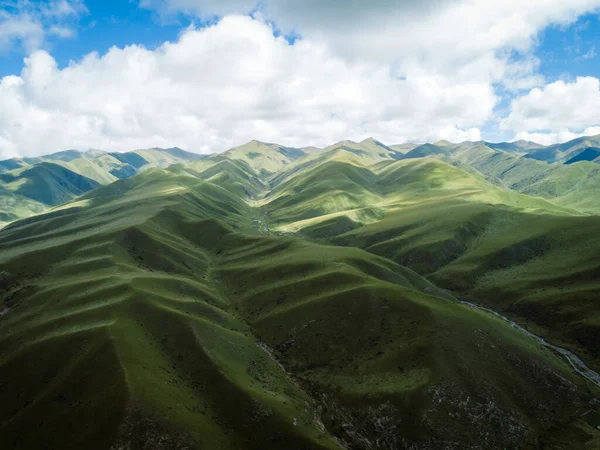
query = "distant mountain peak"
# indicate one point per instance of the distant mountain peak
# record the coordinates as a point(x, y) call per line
point(257, 142)
point(371, 139)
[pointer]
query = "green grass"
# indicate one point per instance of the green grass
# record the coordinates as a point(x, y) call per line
point(574, 186)
point(245, 302)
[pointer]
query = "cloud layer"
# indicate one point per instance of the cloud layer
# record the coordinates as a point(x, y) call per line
point(397, 70)
point(219, 86)
point(557, 106)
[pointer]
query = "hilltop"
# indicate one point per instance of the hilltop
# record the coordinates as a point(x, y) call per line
point(271, 297)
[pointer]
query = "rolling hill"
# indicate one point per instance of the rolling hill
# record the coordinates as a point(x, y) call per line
point(270, 297)
point(31, 185)
point(566, 151)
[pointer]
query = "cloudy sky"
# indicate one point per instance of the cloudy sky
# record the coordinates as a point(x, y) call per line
point(206, 75)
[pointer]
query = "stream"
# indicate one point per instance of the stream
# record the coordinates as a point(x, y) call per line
point(577, 364)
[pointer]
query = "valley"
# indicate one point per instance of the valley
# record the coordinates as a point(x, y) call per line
point(270, 297)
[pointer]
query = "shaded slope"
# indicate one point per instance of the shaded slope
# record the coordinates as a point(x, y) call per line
point(538, 268)
point(125, 291)
point(565, 151)
point(48, 183)
point(589, 154)
point(54, 179)
point(157, 321)
point(25, 192)
point(426, 150)
point(14, 206)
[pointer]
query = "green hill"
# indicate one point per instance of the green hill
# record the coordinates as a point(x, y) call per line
point(14, 206)
point(574, 185)
point(54, 179)
point(566, 151)
point(28, 191)
point(300, 300)
point(519, 147)
point(426, 150)
point(264, 158)
point(589, 154)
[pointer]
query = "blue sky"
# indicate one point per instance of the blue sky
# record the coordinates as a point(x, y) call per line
point(373, 79)
point(565, 52)
point(106, 24)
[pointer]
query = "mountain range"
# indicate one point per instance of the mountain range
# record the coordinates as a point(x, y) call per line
point(358, 296)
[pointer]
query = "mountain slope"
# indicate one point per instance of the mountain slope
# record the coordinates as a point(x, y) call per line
point(159, 317)
point(566, 151)
point(425, 150)
point(14, 206)
point(575, 185)
point(28, 191)
point(264, 158)
point(520, 146)
point(54, 179)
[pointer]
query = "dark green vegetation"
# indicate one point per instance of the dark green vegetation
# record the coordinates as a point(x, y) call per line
point(279, 298)
point(29, 186)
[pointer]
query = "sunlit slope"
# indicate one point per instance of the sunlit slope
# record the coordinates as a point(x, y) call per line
point(518, 147)
point(135, 344)
point(235, 175)
point(360, 154)
point(264, 158)
point(575, 185)
point(436, 218)
point(327, 188)
point(157, 318)
point(108, 167)
point(339, 195)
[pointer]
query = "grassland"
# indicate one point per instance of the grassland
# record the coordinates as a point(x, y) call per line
point(29, 186)
point(300, 300)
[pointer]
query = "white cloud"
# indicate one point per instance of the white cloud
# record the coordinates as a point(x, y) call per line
point(461, 42)
point(557, 107)
point(464, 40)
point(223, 85)
point(29, 22)
point(557, 136)
point(397, 70)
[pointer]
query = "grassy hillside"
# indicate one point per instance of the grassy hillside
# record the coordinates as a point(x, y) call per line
point(575, 185)
point(264, 158)
point(31, 185)
point(160, 317)
point(538, 268)
point(343, 192)
point(270, 298)
point(519, 147)
point(566, 151)
point(14, 206)
point(28, 191)
point(425, 150)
